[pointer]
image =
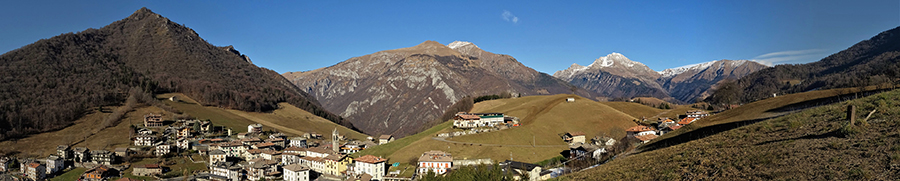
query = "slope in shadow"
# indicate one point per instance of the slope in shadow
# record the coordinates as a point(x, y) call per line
point(825, 101)
point(700, 133)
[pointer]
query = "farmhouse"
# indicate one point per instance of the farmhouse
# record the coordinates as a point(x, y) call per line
point(147, 170)
point(574, 137)
point(438, 162)
point(385, 139)
point(473, 120)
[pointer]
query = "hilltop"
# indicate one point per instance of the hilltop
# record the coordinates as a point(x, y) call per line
point(51, 83)
point(814, 144)
point(543, 118)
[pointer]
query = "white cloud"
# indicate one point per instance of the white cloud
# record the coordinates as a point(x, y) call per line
point(508, 16)
point(792, 56)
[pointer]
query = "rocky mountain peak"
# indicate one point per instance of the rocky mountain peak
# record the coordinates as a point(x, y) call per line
point(458, 44)
point(430, 47)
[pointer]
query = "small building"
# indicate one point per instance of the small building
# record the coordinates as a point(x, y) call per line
point(81, 154)
point(153, 120)
point(144, 140)
point(696, 114)
point(520, 170)
point(184, 132)
point(183, 144)
point(147, 170)
point(575, 137)
point(254, 128)
point(216, 156)
point(4, 164)
point(163, 149)
point(121, 152)
point(296, 172)
point(103, 157)
point(438, 162)
point(206, 126)
point(34, 170)
point(100, 173)
point(63, 152)
point(299, 142)
point(571, 99)
point(385, 139)
point(226, 169)
point(55, 164)
point(369, 164)
point(465, 120)
point(687, 120)
point(640, 130)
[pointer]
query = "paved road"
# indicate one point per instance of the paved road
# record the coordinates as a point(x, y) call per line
point(497, 145)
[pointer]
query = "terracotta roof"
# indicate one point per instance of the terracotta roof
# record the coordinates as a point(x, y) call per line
point(577, 133)
point(639, 129)
point(386, 136)
point(294, 149)
point(295, 167)
point(370, 159)
point(315, 159)
point(436, 156)
point(686, 121)
point(646, 137)
point(34, 165)
point(675, 127)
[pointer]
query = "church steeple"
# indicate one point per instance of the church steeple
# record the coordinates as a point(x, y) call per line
point(334, 140)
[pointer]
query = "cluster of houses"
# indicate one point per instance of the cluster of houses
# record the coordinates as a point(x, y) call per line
point(464, 120)
point(645, 133)
point(97, 161)
point(579, 148)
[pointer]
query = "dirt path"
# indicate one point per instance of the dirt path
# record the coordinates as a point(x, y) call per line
point(497, 145)
point(267, 123)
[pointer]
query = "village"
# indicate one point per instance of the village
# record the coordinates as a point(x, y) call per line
point(256, 154)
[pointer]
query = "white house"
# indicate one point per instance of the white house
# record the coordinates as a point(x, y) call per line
point(696, 114)
point(571, 99)
point(438, 162)
point(254, 128)
point(34, 171)
point(216, 156)
point(144, 140)
point(385, 139)
point(55, 164)
point(299, 142)
point(372, 165)
point(163, 149)
point(640, 130)
point(296, 172)
point(226, 169)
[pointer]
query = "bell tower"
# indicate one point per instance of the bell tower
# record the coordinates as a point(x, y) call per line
point(334, 140)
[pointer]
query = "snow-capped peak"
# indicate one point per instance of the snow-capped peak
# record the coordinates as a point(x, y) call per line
point(457, 44)
point(700, 66)
point(612, 59)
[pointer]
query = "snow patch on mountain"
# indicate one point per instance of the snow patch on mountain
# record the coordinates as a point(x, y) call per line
point(457, 44)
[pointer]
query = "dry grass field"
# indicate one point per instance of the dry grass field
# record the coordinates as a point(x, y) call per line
point(543, 117)
point(817, 143)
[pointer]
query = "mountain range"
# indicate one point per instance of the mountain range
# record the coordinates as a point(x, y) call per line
point(872, 62)
point(616, 76)
point(50, 83)
point(397, 91)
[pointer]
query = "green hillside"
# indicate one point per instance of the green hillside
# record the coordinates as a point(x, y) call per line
point(543, 117)
point(814, 144)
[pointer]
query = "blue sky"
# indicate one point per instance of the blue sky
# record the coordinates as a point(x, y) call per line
point(545, 35)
